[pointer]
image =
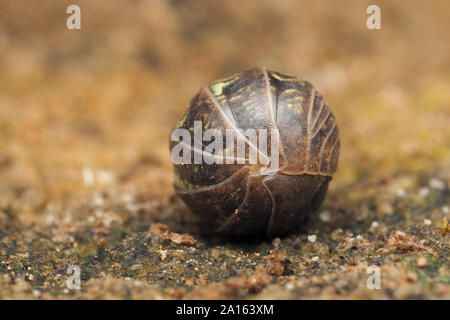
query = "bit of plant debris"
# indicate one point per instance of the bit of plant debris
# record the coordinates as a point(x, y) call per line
point(278, 265)
point(400, 241)
point(162, 231)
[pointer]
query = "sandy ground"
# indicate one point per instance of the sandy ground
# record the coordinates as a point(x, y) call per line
point(85, 171)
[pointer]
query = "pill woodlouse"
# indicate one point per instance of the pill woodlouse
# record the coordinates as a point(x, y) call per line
point(242, 199)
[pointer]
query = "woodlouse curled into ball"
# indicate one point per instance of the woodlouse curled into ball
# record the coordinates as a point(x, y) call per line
point(243, 199)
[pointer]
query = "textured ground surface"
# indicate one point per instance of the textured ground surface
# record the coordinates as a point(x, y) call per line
point(85, 174)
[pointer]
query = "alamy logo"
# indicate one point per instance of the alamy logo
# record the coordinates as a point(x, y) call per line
point(374, 281)
point(73, 22)
point(74, 281)
point(228, 149)
point(373, 22)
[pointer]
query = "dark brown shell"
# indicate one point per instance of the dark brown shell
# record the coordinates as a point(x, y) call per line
point(236, 199)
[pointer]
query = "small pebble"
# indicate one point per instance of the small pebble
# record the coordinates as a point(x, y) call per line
point(427, 222)
point(445, 209)
point(102, 176)
point(325, 216)
point(127, 198)
point(400, 193)
point(289, 286)
point(437, 184)
point(105, 176)
point(276, 242)
point(315, 259)
point(88, 176)
point(163, 255)
point(423, 192)
point(312, 238)
point(337, 234)
point(98, 201)
point(421, 262)
point(386, 208)
point(411, 276)
point(374, 225)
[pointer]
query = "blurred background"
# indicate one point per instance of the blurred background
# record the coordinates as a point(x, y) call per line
point(95, 107)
